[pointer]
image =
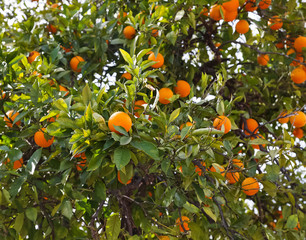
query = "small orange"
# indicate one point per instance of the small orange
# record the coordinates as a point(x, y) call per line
point(199, 170)
point(264, 4)
point(40, 140)
point(164, 95)
point(150, 194)
point(300, 43)
point(154, 33)
point(250, 186)
point(138, 106)
point(35, 73)
point(51, 28)
point(250, 6)
point(74, 62)
point(275, 23)
point(129, 32)
point(298, 226)
point(242, 27)
point(183, 224)
point(17, 164)
point(263, 59)
point(215, 13)
point(272, 225)
point(187, 124)
point(3, 95)
point(222, 170)
point(280, 45)
point(298, 75)
point(159, 59)
point(231, 5)
point(127, 76)
point(11, 117)
point(32, 56)
point(283, 119)
point(204, 12)
point(52, 119)
point(182, 88)
point(67, 50)
point(121, 119)
point(81, 165)
point(119, 179)
point(232, 177)
point(63, 89)
point(252, 126)
point(222, 121)
point(298, 120)
point(298, 132)
point(81, 155)
point(55, 6)
point(257, 146)
point(230, 16)
point(237, 164)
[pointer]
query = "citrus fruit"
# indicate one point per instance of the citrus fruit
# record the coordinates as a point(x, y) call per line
point(252, 126)
point(215, 13)
point(250, 5)
point(74, 62)
point(164, 95)
point(298, 75)
point(232, 177)
point(199, 170)
point(154, 33)
point(298, 120)
point(257, 146)
point(231, 6)
point(51, 28)
point(119, 179)
point(80, 155)
point(81, 165)
point(250, 186)
point(121, 119)
point(237, 164)
point(264, 4)
point(32, 56)
point(129, 32)
point(127, 76)
point(183, 223)
point(222, 171)
point(138, 106)
point(63, 89)
point(230, 16)
point(275, 23)
point(283, 119)
point(298, 132)
point(182, 88)
point(17, 164)
point(159, 59)
point(40, 140)
point(204, 12)
point(222, 121)
point(187, 124)
point(280, 45)
point(300, 43)
point(263, 59)
point(10, 118)
point(242, 27)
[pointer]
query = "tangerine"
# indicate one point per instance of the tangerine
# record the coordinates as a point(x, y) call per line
point(199, 170)
point(215, 13)
point(298, 75)
point(298, 120)
point(182, 88)
point(275, 23)
point(32, 56)
point(63, 89)
point(230, 16)
point(10, 118)
point(232, 177)
point(231, 5)
point(129, 32)
point(127, 76)
point(298, 132)
point(252, 127)
point(183, 223)
point(282, 119)
point(159, 59)
point(264, 4)
point(238, 164)
point(263, 59)
point(222, 121)
point(40, 140)
point(300, 43)
point(257, 146)
point(81, 165)
point(121, 119)
point(17, 164)
point(250, 5)
point(222, 170)
point(164, 95)
point(187, 124)
point(250, 186)
point(74, 62)
point(138, 106)
point(204, 12)
point(242, 27)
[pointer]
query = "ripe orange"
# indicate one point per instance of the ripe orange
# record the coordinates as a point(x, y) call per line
point(295, 61)
point(264, 4)
point(17, 164)
point(81, 155)
point(164, 95)
point(250, 186)
point(232, 177)
point(204, 12)
point(251, 125)
point(182, 88)
point(137, 106)
point(298, 120)
point(40, 140)
point(74, 62)
point(242, 27)
point(237, 164)
point(3, 95)
point(187, 124)
point(250, 6)
point(52, 119)
point(230, 16)
point(222, 121)
point(280, 45)
point(150, 194)
point(272, 225)
point(183, 223)
point(121, 119)
point(32, 56)
point(298, 132)
point(51, 28)
point(199, 170)
point(119, 179)
point(63, 89)
point(67, 50)
point(127, 76)
point(283, 120)
point(81, 165)
point(257, 146)
point(215, 13)
point(129, 32)
point(231, 5)
point(298, 226)
point(35, 73)
point(263, 59)
point(159, 59)
point(222, 170)
point(275, 23)
point(11, 117)
point(298, 75)
point(300, 43)
point(154, 33)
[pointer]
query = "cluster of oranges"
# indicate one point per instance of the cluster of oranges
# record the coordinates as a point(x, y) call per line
point(297, 120)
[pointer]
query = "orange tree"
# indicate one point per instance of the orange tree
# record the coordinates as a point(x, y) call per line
point(201, 138)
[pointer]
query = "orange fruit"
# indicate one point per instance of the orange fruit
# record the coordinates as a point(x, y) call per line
point(74, 62)
point(237, 164)
point(275, 23)
point(298, 75)
point(242, 27)
point(154, 33)
point(55, 5)
point(3, 95)
point(121, 119)
point(230, 16)
point(204, 12)
point(63, 89)
point(35, 73)
point(280, 45)
point(182, 88)
point(10, 118)
point(263, 59)
point(298, 120)
point(295, 61)
point(272, 225)
point(252, 126)
point(298, 226)
point(279, 214)
point(183, 224)
point(222, 171)
point(215, 13)
point(138, 106)
point(40, 140)
point(232, 177)
point(81, 155)
point(52, 119)
point(32, 56)
point(129, 32)
point(300, 43)
point(250, 6)
point(264, 4)
point(159, 59)
point(222, 121)
point(67, 50)
point(250, 186)
point(81, 165)
point(257, 146)
point(124, 15)
point(17, 164)
point(283, 120)
point(127, 76)
point(298, 132)
point(187, 124)
point(119, 179)
point(164, 95)
point(199, 170)
point(51, 28)
point(231, 6)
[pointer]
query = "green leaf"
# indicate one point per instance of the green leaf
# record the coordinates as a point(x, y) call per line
point(142, 53)
point(292, 222)
point(179, 15)
point(16, 186)
point(31, 214)
point(86, 94)
point(100, 191)
point(61, 105)
point(190, 207)
point(272, 172)
point(126, 57)
point(67, 209)
point(147, 147)
point(206, 131)
point(113, 226)
point(33, 161)
point(209, 212)
point(14, 155)
point(270, 188)
point(174, 115)
point(95, 162)
point(122, 157)
point(19, 222)
point(172, 36)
